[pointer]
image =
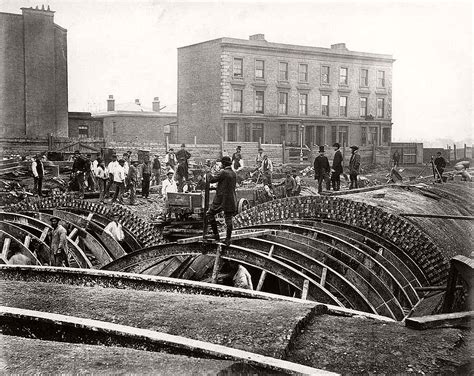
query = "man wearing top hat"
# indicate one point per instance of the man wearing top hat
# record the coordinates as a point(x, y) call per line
point(354, 167)
point(225, 200)
point(336, 168)
point(321, 170)
point(58, 243)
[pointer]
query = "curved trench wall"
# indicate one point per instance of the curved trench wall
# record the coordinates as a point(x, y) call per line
point(144, 232)
point(395, 229)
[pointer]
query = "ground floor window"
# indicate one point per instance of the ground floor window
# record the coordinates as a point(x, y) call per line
point(320, 135)
point(343, 135)
point(293, 134)
point(386, 136)
point(231, 134)
point(257, 132)
point(373, 135)
point(363, 139)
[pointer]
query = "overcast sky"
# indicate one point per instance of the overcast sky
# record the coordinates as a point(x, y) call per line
point(128, 49)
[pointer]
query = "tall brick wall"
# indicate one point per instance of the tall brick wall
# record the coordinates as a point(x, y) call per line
point(33, 84)
point(199, 93)
point(12, 83)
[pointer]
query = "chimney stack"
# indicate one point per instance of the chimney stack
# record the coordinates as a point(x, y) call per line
point(111, 103)
point(156, 104)
point(137, 102)
point(339, 46)
point(257, 37)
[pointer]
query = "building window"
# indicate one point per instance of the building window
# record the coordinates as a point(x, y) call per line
point(380, 78)
point(303, 104)
point(282, 133)
point(343, 136)
point(325, 105)
point(342, 106)
point(363, 139)
point(237, 101)
point(283, 73)
point(380, 107)
point(83, 131)
point(231, 131)
point(259, 101)
point(386, 136)
point(373, 135)
point(293, 134)
point(257, 133)
point(325, 75)
point(364, 77)
point(260, 69)
point(114, 127)
point(363, 107)
point(343, 76)
point(303, 73)
point(238, 68)
point(320, 135)
point(283, 103)
point(333, 134)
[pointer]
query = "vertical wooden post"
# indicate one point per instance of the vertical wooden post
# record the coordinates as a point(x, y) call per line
point(27, 241)
point(465, 151)
point(215, 270)
point(455, 154)
point(304, 292)
point(264, 273)
point(167, 144)
point(222, 147)
point(195, 141)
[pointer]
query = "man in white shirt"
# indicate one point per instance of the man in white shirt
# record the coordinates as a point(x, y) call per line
point(114, 228)
point(119, 181)
point(38, 171)
point(110, 169)
point(168, 185)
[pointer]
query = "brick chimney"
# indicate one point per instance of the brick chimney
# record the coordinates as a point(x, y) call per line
point(257, 37)
point(111, 103)
point(137, 102)
point(339, 46)
point(155, 105)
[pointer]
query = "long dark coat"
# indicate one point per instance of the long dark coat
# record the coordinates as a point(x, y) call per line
point(354, 164)
point(225, 198)
point(321, 166)
point(337, 162)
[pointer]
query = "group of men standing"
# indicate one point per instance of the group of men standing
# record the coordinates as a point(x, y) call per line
point(323, 172)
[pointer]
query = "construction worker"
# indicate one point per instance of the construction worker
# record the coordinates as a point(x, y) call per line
point(396, 158)
point(114, 228)
point(168, 186)
point(184, 154)
point(321, 170)
point(58, 243)
point(37, 168)
point(79, 169)
point(119, 181)
point(354, 167)
point(225, 200)
point(113, 164)
point(440, 164)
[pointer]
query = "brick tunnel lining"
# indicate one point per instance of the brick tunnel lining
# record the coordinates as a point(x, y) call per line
point(394, 228)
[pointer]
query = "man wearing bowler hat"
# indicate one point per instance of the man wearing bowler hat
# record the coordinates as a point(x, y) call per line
point(225, 200)
point(321, 170)
point(58, 243)
point(336, 168)
point(354, 167)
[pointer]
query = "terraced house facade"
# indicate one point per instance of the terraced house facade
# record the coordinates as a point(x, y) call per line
point(253, 90)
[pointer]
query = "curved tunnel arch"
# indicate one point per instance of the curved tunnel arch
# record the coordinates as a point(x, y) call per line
point(399, 231)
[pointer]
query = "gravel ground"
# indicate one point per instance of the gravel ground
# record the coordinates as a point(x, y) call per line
point(27, 356)
point(362, 346)
point(254, 325)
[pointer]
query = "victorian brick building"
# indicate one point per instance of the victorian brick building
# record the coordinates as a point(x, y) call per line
point(251, 90)
point(133, 122)
point(33, 75)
